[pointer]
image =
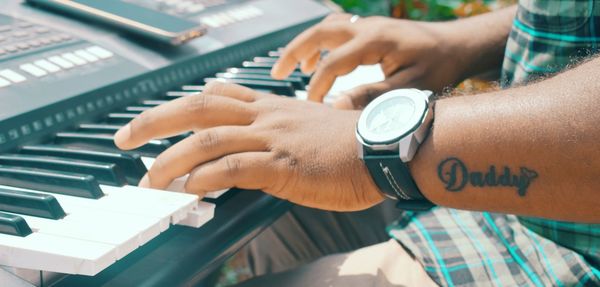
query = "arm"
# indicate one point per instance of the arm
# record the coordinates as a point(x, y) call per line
point(485, 51)
point(546, 133)
point(306, 152)
point(423, 55)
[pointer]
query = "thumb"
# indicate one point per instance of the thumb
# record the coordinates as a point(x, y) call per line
point(357, 98)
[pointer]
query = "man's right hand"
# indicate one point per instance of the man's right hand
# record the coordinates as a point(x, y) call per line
point(412, 54)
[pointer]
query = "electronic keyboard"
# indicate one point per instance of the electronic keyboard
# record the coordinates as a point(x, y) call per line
point(70, 211)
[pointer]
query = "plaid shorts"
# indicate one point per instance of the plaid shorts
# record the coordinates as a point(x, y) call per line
point(464, 248)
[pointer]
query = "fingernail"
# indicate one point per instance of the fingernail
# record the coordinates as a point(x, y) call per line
point(122, 135)
point(144, 182)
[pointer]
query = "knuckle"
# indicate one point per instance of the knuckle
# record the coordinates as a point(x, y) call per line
point(198, 103)
point(287, 159)
point(209, 139)
point(215, 87)
point(233, 166)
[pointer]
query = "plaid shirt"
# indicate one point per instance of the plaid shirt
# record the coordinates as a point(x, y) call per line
point(463, 248)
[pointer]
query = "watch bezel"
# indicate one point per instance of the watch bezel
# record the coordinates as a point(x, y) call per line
point(420, 100)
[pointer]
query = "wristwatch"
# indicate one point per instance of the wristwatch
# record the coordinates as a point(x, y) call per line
point(389, 132)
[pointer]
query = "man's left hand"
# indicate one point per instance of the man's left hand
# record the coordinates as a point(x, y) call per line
point(300, 151)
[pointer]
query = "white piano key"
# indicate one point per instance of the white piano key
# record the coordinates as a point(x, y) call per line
point(176, 204)
point(96, 230)
point(33, 70)
point(86, 55)
point(4, 83)
point(55, 253)
point(74, 59)
point(100, 52)
point(178, 185)
point(147, 228)
point(62, 62)
point(203, 213)
point(47, 66)
point(12, 76)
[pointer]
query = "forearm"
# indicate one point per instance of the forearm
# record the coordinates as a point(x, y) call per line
point(551, 128)
point(479, 41)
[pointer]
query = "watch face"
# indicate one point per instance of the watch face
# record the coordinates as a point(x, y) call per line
point(392, 115)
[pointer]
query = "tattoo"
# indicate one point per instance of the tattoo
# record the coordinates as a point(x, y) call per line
point(455, 176)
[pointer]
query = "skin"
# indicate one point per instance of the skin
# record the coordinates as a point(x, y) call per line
point(306, 152)
point(412, 54)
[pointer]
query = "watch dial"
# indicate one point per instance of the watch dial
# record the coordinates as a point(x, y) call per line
point(391, 116)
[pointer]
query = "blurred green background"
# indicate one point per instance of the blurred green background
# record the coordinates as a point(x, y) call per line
point(429, 10)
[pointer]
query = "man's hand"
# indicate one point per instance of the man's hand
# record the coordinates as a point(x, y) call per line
point(411, 54)
point(299, 151)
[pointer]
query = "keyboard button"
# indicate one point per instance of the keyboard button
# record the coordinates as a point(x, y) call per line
point(105, 173)
point(62, 62)
point(12, 76)
point(74, 59)
point(87, 56)
point(100, 52)
point(47, 66)
point(4, 83)
point(33, 70)
point(42, 30)
point(131, 164)
point(13, 225)
point(51, 181)
point(11, 48)
point(30, 203)
point(20, 34)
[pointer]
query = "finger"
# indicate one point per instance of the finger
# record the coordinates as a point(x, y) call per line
point(182, 115)
point(357, 98)
point(232, 91)
point(325, 35)
point(248, 170)
point(339, 62)
point(308, 66)
point(200, 148)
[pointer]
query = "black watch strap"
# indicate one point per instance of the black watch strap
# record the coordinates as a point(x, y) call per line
point(393, 178)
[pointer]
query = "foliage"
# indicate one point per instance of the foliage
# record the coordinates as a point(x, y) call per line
point(428, 10)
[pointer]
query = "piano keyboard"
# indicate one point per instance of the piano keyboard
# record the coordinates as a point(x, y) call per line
point(71, 204)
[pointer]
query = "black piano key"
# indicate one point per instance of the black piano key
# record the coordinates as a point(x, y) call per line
point(75, 184)
point(305, 78)
point(296, 82)
point(119, 118)
point(99, 128)
point(106, 143)
point(131, 164)
point(30, 203)
point(105, 173)
point(13, 225)
point(280, 88)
